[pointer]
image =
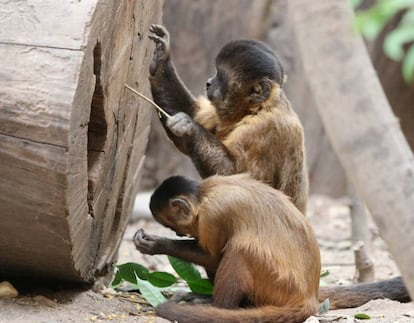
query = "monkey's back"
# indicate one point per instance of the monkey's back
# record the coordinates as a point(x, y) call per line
point(269, 145)
point(261, 223)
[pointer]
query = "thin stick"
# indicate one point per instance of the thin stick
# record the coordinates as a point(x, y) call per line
point(148, 100)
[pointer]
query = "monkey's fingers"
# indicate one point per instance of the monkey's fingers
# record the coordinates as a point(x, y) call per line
point(158, 40)
point(139, 234)
point(180, 124)
point(159, 30)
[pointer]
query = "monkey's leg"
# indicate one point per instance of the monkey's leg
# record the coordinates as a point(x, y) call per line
point(234, 282)
point(187, 250)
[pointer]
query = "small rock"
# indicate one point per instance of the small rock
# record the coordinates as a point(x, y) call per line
point(44, 301)
point(7, 290)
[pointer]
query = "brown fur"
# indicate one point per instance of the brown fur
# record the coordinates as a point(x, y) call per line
point(268, 144)
point(267, 252)
point(233, 135)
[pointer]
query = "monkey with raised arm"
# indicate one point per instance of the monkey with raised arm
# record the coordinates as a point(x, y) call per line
point(264, 252)
point(245, 125)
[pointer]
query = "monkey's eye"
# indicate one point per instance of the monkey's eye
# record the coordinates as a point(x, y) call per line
point(209, 82)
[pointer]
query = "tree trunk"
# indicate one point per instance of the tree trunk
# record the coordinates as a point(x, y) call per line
point(398, 92)
point(326, 174)
point(72, 139)
point(359, 121)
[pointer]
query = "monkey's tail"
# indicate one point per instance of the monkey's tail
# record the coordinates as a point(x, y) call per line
point(359, 294)
point(208, 314)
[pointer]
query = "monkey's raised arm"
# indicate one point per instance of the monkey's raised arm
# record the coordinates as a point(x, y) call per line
point(168, 91)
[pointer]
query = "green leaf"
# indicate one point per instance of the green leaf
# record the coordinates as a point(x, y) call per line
point(408, 18)
point(117, 280)
point(408, 65)
point(322, 283)
point(185, 270)
point(324, 307)
point(355, 3)
point(201, 286)
point(362, 316)
point(151, 293)
point(324, 273)
point(371, 28)
point(394, 6)
point(130, 270)
point(395, 40)
point(161, 279)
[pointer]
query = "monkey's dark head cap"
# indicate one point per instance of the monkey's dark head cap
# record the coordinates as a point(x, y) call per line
point(254, 58)
point(172, 187)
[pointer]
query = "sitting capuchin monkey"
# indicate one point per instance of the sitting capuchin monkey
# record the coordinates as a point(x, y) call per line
point(263, 251)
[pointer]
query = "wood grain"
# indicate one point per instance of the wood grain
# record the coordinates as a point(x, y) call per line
point(72, 139)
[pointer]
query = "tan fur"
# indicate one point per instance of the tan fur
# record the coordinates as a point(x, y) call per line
point(268, 144)
point(268, 252)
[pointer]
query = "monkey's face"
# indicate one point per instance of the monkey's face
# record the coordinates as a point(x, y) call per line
point(216, 87)
point(225, 93)
point(246, 73)
point(178, 216)
point(235, 96)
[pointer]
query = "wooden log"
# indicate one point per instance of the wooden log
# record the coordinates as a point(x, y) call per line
point(72, 138)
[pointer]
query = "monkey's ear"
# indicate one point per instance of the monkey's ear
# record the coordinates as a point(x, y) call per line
point(260, 91)
point(182, 205)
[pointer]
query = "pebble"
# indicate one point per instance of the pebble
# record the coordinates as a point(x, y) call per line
point(44, 301)
point(7, 290)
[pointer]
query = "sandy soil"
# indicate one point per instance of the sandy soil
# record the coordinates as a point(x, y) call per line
point(330, 219)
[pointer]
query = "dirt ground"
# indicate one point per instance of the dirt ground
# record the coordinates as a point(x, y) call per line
point(330, 219)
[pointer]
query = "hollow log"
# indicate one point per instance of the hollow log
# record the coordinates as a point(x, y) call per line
point(72, 138)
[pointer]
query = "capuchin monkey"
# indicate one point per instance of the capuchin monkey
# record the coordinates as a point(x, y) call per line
point(245, 126)
point(260, 245)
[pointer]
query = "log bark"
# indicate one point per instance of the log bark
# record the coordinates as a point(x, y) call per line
point(72, 139)
point(359, 121)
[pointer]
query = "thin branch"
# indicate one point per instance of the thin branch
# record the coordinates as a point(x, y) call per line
point(148, 100)
point(364, 265)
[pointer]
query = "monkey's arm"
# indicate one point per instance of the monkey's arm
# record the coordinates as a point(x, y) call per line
point(208, 154)
point(187, 250)
point(168, 91)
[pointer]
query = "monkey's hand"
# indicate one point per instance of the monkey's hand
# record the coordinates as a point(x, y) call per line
point(146, 243)
point(181, 124)
point(161, 37)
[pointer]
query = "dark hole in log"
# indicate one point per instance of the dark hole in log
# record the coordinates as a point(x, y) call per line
point(97, 130)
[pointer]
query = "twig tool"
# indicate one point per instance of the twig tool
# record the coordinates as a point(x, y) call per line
point(161, 110)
